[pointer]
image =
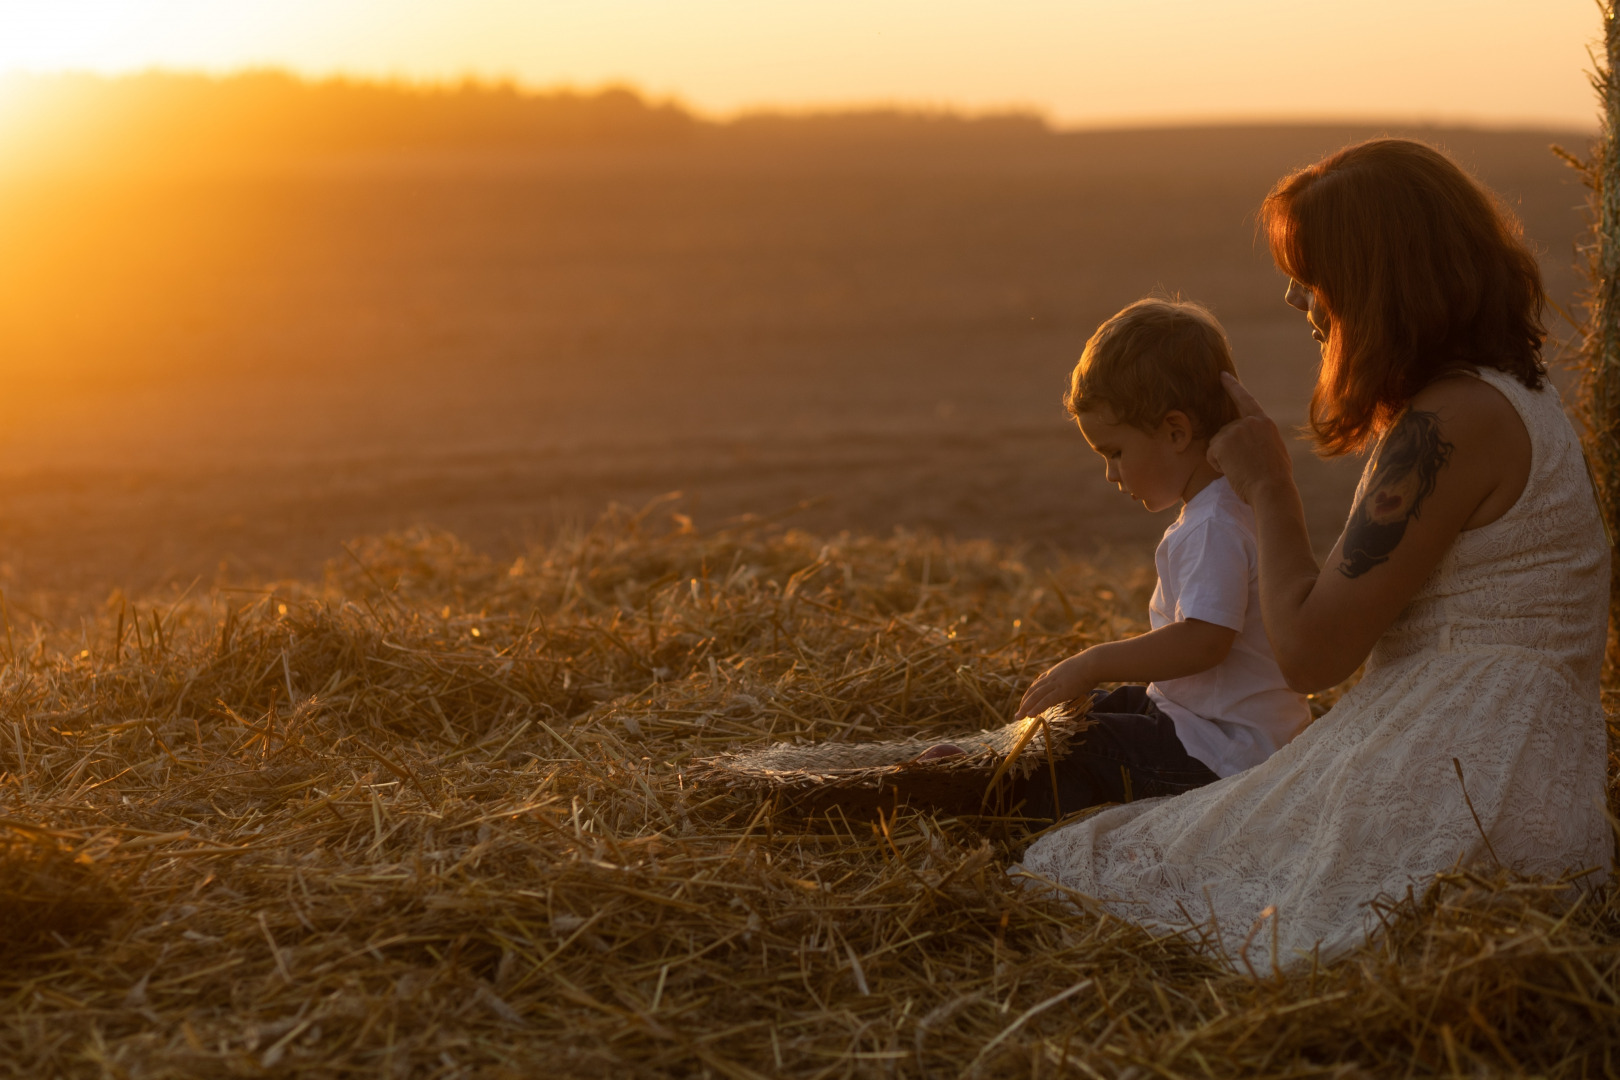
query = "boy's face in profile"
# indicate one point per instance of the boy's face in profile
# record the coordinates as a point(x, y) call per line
point(1152, 467)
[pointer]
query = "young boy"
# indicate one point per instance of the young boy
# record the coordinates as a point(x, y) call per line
point(1147, 395)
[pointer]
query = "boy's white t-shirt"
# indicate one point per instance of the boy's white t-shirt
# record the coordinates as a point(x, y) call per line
point(1238, 713)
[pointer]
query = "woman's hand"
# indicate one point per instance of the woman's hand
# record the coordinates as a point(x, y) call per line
point(1073, 678)
point(1250, 450)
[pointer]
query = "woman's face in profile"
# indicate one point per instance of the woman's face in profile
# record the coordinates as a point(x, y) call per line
point(1303, 298)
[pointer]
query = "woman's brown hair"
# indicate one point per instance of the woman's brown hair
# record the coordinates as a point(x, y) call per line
point(1420, 271)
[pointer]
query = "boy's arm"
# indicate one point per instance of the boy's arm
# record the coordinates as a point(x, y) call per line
point(1174, 651)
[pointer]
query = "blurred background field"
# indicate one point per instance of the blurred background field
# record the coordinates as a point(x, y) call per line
point(244, 320)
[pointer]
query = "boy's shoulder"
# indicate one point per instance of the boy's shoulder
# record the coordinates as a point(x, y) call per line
point(1212, 551)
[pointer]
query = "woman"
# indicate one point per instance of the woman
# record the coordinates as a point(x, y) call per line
point(1472, 580)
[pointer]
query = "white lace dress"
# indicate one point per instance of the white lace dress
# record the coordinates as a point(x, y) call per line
point(1494, 663)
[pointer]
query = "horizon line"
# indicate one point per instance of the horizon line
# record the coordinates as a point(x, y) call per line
point(920, 108)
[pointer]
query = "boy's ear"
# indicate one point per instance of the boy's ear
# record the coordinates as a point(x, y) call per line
point(1177, 426)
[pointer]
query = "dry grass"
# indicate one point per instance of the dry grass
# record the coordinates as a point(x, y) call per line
point(432, 818)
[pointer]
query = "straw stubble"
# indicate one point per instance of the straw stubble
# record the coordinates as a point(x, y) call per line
point(436, 816)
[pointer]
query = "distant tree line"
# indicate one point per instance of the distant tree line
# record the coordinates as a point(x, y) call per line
point(180, 120)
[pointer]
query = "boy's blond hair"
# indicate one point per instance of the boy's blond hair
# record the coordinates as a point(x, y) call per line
point(1152, 357)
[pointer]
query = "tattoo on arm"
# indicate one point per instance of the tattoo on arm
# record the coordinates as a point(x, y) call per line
point(1410, 458)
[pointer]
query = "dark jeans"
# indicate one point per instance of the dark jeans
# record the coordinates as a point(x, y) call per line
point(1130, 753)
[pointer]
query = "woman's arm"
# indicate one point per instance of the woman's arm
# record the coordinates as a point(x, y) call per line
point(1457, 459)
point(1170, 652)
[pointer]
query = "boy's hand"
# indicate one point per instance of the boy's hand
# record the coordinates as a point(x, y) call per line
point(1062, 682)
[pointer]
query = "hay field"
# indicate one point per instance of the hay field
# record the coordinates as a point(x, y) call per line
point(431, 816)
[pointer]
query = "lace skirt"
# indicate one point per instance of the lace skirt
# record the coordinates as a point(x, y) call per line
point(1364, 804)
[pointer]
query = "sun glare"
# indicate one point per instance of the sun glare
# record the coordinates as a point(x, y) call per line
point(12, 104)
point(21, 115)
point(86, 35)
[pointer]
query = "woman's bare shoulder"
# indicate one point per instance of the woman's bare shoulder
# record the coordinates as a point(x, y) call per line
point(1466, 406)
point(1490, 447)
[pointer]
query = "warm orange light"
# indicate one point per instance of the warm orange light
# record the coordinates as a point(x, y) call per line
point(1096, 61)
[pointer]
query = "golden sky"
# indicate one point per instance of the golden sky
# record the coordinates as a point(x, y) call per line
point(1080, 61)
